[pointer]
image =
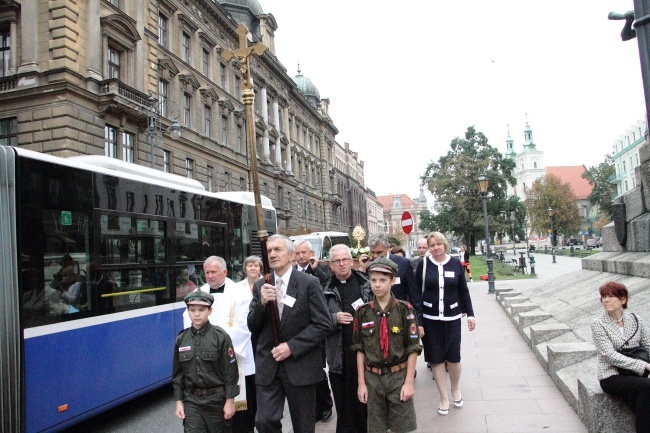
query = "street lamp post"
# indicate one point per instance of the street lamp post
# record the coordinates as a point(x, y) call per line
point(483, 188)
point(512, 227)
point(154, 129)
point(551, 214)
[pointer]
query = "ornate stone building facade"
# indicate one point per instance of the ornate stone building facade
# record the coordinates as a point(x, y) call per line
point(88, 78)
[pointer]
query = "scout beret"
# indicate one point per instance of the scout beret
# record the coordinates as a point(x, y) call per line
point(382, 264)
point(199, 297)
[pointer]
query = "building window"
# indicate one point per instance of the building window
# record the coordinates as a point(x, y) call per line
point(224, 130)
point(242, 184)
point(187, 110)
point(167, 157)
point(8, 132)
point(115, 3)
point(128, 146)
point(163, 94)
point(189, 168)
point(110, 141)
point(186, 46)
point(206, 62)
point(240, 137)
point(207, 117)
point(113, 59)
point(222, 75)
point(210, 178)
point(289, 207)
point(163, 29)
point(114, 139)
point(5, 51)
point(226, 181)
point(237, 90)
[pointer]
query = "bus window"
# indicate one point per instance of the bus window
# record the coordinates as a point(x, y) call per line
point(133, 241)
point(186, 240)
point(53, 289)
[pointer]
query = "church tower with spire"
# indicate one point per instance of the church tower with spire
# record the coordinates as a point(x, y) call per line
point(529, 163)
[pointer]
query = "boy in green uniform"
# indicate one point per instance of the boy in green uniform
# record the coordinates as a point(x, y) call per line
point(205, 373)
point(387, 344)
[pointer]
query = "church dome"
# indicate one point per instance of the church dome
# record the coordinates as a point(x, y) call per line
point(252, 5)
point(307, 88)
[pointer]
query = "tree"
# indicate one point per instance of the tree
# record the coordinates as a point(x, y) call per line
point(549, 192)
point(601, 189)
point(452, 180)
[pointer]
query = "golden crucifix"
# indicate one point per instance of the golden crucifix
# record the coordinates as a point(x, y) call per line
point(243, 55)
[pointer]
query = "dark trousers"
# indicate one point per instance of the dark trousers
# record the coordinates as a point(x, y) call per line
point(205, 418)
point(323, 397)
point(351, 414)
point(635, 391)
point(244, 420)
point(270, 407)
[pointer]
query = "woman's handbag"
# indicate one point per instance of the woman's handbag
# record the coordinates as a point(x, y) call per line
point(639, 352)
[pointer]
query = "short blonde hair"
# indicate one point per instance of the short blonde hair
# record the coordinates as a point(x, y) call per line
point(440, 238)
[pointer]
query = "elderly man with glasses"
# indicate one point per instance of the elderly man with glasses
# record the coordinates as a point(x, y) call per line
point(345, 291)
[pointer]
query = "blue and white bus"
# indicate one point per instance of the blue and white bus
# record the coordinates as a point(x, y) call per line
point(95, 256)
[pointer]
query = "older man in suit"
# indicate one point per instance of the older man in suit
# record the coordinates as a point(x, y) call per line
point(405, 287)
point(293, 368)
point(307, 262)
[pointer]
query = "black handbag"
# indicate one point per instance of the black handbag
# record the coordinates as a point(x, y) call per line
point(638, 352)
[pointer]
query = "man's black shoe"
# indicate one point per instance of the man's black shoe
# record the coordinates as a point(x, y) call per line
point(327, 414)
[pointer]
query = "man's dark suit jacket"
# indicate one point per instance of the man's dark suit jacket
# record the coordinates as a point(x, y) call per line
point(322, 272)
point(303, 327)
point(406, 289)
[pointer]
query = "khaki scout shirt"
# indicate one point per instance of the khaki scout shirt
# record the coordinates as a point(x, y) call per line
point(204, 359)
point(402, 332)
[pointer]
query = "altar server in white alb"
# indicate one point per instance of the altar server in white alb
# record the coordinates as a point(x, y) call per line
point(230, 312)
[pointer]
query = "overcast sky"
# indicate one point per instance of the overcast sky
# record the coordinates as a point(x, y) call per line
point(405, 78)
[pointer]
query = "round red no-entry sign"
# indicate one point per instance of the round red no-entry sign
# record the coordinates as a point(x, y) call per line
point(407, 222)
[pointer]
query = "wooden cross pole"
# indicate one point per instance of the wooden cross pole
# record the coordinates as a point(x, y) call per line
point(243, 55)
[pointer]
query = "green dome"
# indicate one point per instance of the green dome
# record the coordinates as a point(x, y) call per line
point(307, 88)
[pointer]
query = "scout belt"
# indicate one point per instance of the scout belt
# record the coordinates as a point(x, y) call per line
point(204, 392)
point(382, 371)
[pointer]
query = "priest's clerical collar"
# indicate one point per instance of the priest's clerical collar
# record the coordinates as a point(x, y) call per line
point(218, 289)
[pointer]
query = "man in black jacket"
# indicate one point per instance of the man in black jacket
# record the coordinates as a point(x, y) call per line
point(308, 263)
point(345, 292)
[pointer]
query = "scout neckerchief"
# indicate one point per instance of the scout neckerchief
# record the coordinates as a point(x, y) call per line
point(383, 324)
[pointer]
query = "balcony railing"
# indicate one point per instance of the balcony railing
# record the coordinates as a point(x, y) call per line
point(115, 86)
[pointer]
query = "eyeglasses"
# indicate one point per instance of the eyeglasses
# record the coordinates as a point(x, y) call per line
point(340, 261)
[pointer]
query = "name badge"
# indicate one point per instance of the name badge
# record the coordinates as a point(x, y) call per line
point(427, 304)
point(397, 280)
point(184, 349)
point(356, 304)
point(288, 300)
point(449, 274)
point(454, 305)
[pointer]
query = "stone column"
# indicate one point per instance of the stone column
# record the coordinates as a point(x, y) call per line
point(278, 153)
point(266, 152)
point(94, 43)
point(29, 43)
point(265, 110)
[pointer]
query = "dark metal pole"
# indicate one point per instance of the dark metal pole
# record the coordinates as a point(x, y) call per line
point(487, 244)
point(553, 242)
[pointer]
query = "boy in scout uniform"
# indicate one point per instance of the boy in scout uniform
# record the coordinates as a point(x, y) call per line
point(387, 343)
point(205, 373)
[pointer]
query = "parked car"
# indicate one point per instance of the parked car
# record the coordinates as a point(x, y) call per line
point(574, 242)
point(592, 243)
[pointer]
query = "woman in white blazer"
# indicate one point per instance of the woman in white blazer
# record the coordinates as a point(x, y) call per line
point(610, 331)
